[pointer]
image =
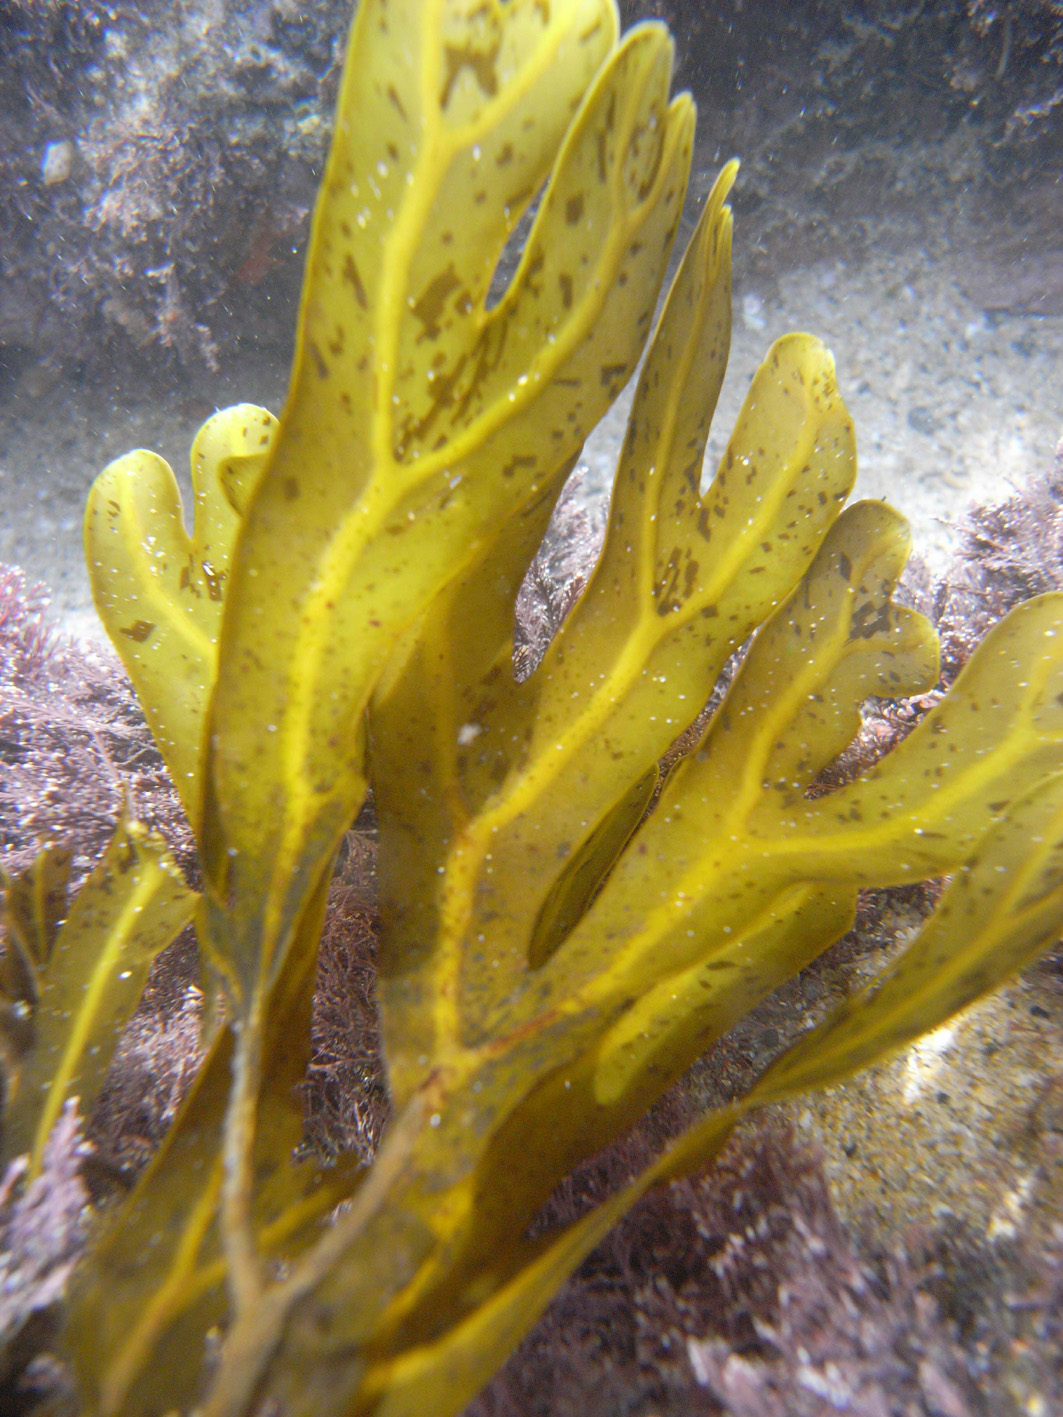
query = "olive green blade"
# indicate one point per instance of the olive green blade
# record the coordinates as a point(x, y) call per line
point(160, 591)
point(132, 906)
point(368, 506)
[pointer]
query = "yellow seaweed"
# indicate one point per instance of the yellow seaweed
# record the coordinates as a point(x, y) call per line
point(377, 495)
point(79, 981)
point(551, 958)
point(159, 591)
